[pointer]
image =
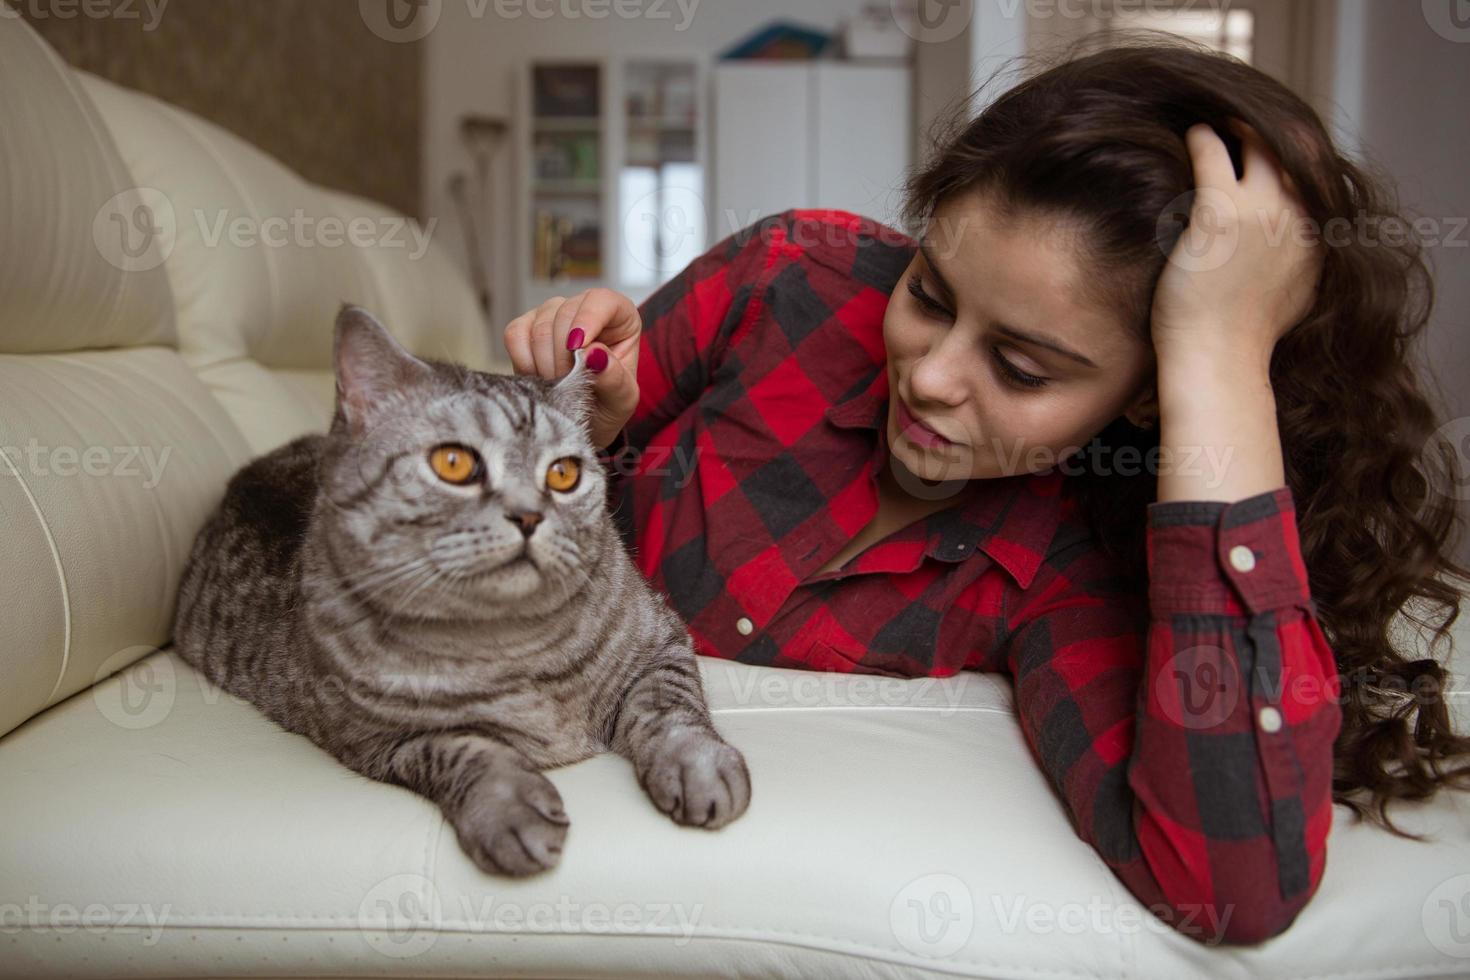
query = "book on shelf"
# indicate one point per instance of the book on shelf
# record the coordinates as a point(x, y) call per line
point(565, 156)
point(563, 247)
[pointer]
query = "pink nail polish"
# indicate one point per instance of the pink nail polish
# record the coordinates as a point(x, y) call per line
point(574, 339)
point(597, 360)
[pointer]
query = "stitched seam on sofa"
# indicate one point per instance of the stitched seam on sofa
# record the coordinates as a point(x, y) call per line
point(830, 943)
point(60, 575)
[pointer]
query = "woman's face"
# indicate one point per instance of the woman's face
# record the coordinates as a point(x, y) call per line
point(992, 342)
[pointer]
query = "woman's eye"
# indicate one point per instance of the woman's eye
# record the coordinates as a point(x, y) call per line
point(929, 304)
point(1014, 373)
point(454, 463)
point(564, 474)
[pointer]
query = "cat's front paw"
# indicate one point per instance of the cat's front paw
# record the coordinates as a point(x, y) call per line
point(513, 824)
point(697, 779)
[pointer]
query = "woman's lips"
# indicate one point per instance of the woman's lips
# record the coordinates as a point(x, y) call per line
point(918, 432)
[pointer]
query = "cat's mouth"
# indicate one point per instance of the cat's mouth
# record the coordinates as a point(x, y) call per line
point(522, 560)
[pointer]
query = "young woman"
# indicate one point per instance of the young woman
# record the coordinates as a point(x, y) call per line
point(1062, 437)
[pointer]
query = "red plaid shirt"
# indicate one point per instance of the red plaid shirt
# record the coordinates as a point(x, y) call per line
point(1188, 732)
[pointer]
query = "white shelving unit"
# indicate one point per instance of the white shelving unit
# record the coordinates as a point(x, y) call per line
point(648, 197)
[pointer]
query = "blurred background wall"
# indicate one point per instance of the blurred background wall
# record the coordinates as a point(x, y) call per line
point(305, 80)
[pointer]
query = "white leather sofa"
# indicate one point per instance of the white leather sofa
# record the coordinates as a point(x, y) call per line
point(151, 825)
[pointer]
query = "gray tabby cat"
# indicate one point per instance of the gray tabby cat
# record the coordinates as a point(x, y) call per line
point(434, 593)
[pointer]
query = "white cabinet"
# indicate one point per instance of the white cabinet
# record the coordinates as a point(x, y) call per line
point(812, 134)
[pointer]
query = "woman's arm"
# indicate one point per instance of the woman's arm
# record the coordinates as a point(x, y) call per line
point(1190, 740)
point(688, 323)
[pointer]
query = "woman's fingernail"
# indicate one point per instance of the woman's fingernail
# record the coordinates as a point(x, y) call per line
point(597, 360)
point(574, 339)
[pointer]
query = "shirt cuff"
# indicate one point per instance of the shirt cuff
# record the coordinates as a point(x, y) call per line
point(1214, 556)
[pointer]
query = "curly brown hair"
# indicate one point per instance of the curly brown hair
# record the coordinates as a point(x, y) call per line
point(1097, 136)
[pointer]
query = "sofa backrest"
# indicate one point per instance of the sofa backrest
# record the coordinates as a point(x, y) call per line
point(167, 294)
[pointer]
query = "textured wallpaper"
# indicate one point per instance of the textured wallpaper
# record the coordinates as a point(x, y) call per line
point(304, 80)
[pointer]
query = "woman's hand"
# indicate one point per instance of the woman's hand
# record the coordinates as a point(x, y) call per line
point(540, 342)
point(1246, 269)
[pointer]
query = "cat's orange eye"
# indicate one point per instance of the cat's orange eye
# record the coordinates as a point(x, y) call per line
point(454, 463)
point(563, 474)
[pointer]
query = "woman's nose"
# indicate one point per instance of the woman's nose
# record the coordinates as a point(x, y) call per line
point(936, 378)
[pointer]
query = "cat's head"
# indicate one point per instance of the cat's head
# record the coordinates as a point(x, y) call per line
point(448, 489)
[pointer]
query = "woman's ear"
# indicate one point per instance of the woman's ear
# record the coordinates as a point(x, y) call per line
point(1144, 412)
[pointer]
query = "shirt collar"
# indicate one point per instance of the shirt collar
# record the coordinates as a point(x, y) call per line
point(1011, 518)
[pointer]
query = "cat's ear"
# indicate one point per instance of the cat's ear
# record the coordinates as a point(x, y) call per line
point(370, 366)
point(572, 393)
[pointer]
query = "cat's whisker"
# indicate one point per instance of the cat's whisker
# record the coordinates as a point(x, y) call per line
point(382, 585)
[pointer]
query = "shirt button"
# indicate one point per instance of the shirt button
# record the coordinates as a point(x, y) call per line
point(1269, 719)
point(744, 625)
point(1242, 558)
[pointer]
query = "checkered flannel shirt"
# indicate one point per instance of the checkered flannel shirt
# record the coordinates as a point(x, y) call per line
point(1188, 732)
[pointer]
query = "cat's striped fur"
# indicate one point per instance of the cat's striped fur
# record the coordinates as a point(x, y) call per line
point(358, 599)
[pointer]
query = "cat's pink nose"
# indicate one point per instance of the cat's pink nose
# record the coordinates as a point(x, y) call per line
point(527, 519)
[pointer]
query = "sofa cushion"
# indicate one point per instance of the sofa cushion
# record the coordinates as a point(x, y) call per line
point(79, 263)
point(260, 260)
